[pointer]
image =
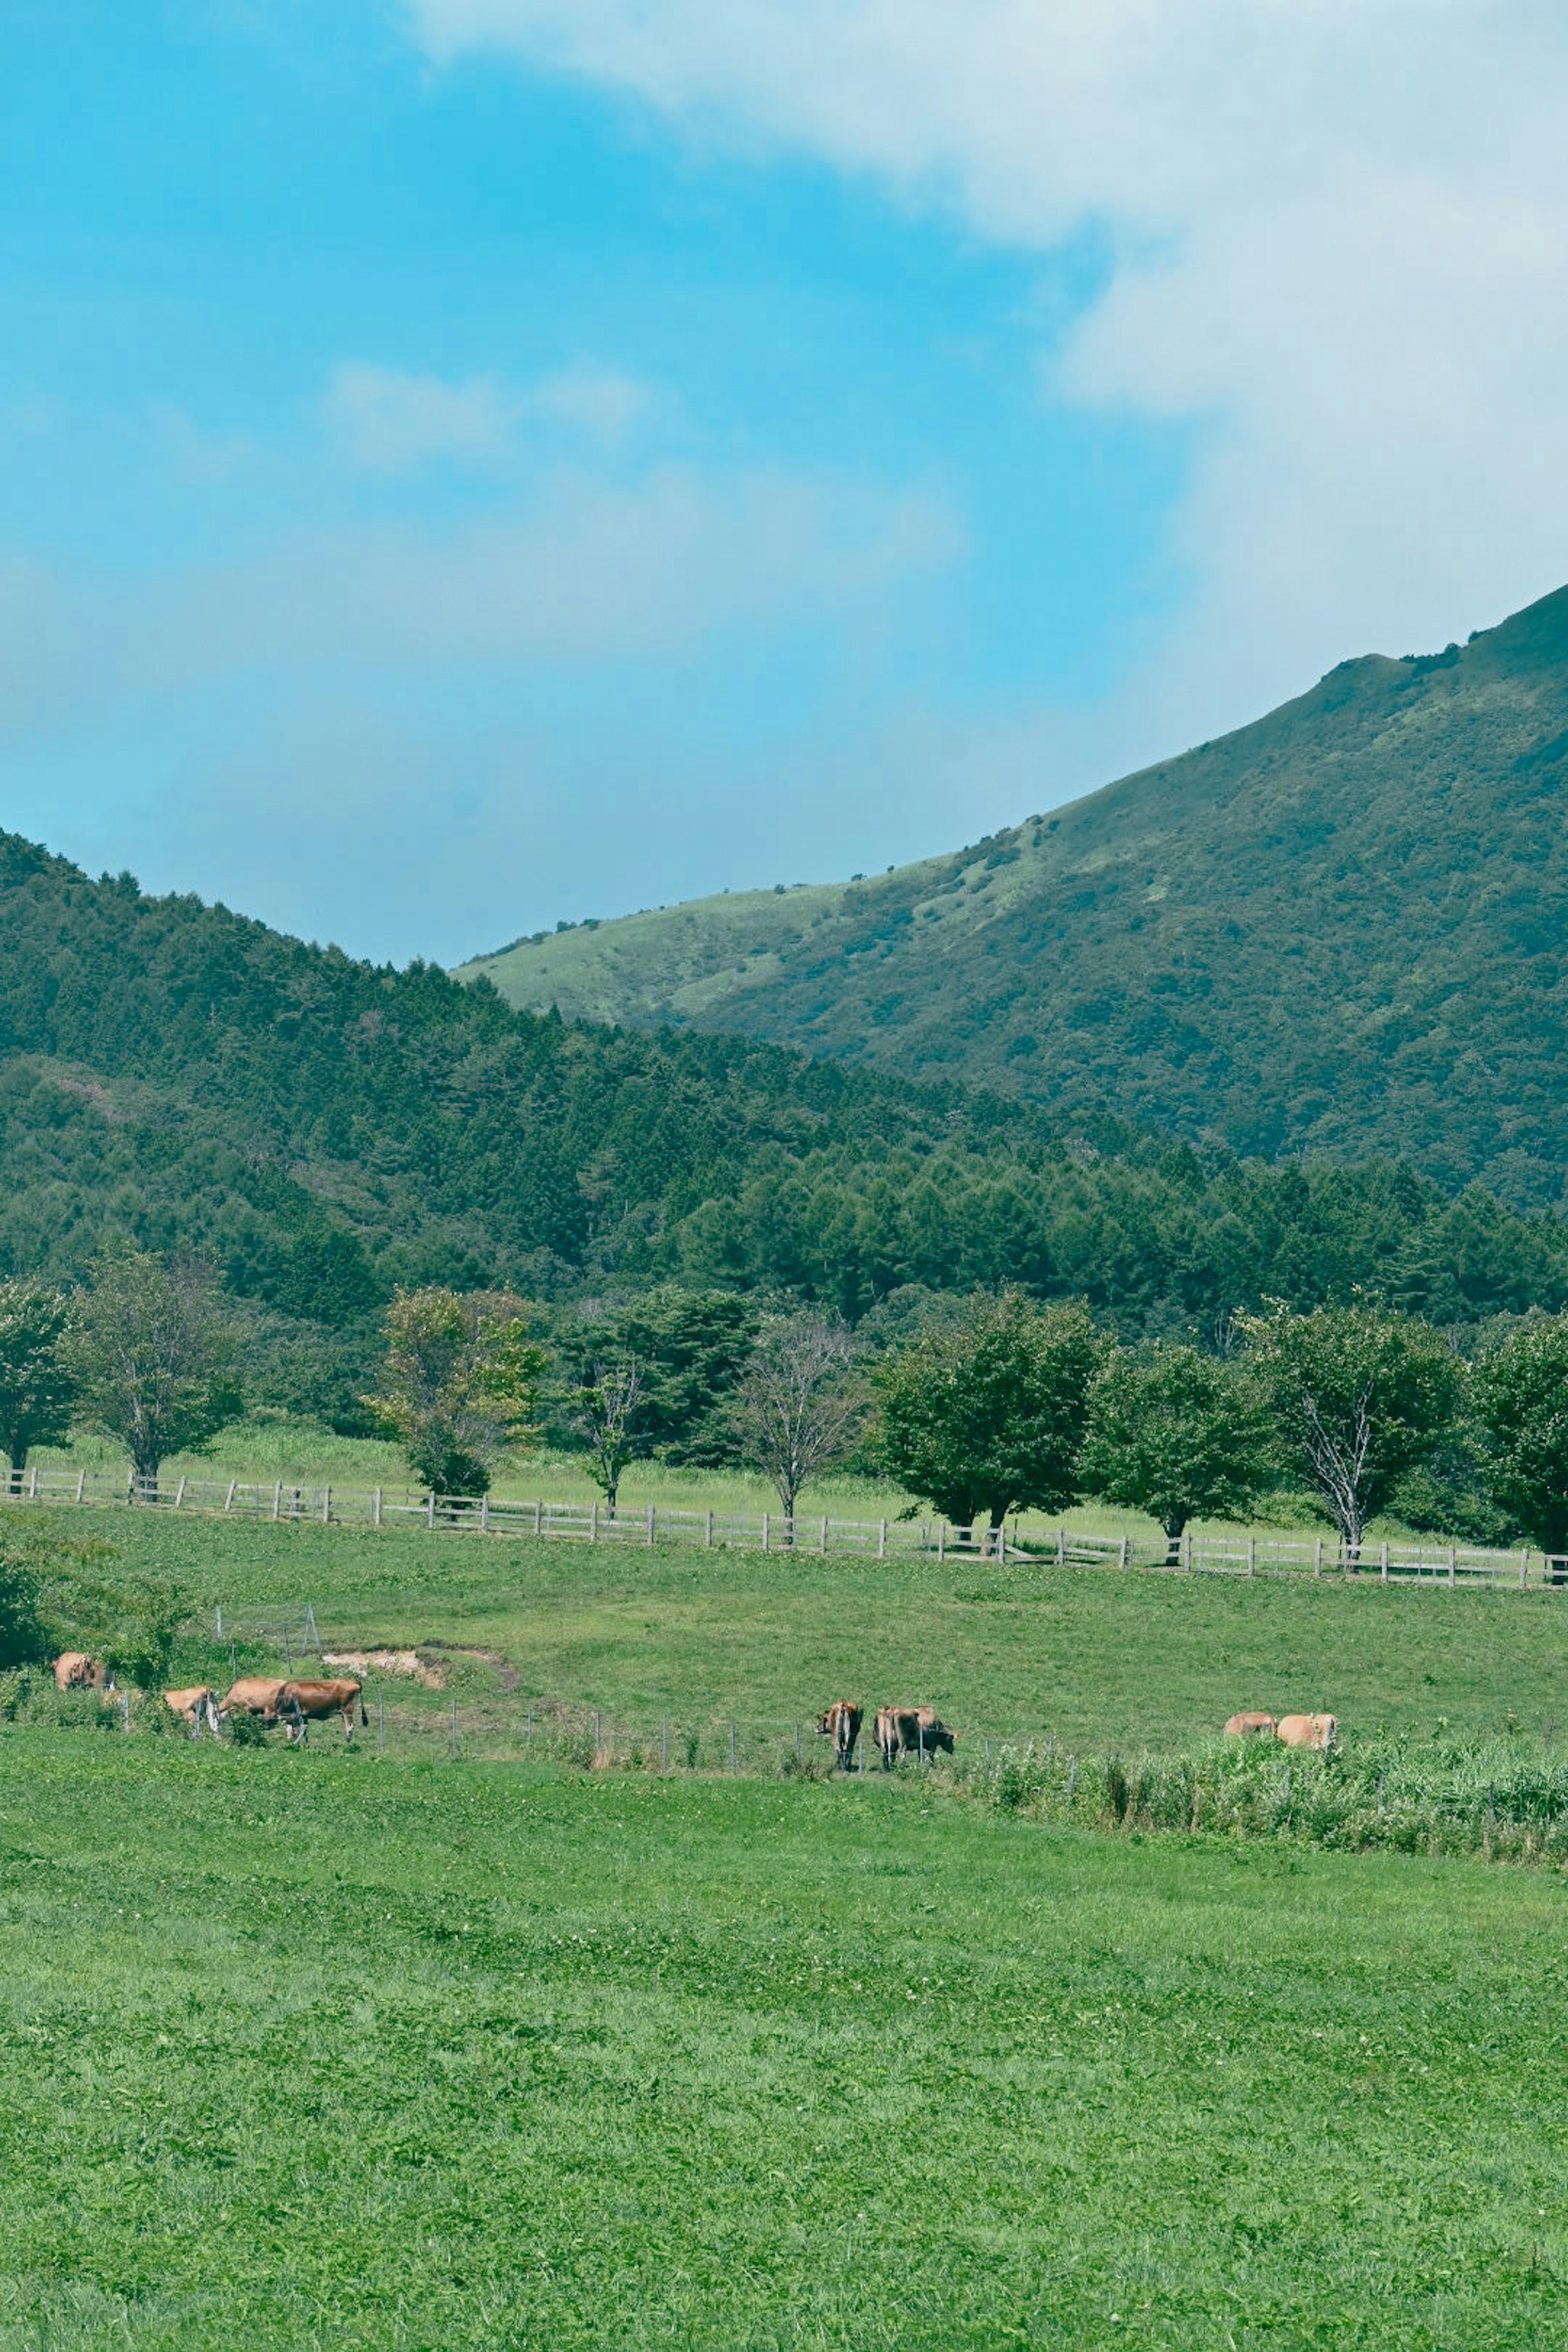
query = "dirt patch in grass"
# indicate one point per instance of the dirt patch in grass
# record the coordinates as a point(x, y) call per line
point(506, 1671)
point(418, 1668)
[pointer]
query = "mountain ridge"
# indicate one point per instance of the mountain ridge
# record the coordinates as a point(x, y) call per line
point(1334, 930)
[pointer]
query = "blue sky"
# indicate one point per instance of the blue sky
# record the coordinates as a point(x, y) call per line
point(465, 463)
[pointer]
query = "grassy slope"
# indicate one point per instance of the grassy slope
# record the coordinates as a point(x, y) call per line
point(1335, 929)
point(375, 2053)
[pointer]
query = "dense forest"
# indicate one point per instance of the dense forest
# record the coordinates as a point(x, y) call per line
point(1338, 930)
point(325, 1130)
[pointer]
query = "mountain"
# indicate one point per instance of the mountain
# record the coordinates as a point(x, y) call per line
point(324, 1130)
point(1340, 930)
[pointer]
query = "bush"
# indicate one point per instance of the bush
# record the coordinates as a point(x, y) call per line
point(22, 1638)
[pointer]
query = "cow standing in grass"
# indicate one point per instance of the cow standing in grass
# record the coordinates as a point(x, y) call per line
point(253, 1694)
point(841, 1722)
point(901, 1729)
point(193, 1707)
point(1249, 1726)
point(301, 1704)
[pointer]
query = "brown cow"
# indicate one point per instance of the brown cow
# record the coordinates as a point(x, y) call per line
point(1307, 1731)
point(74, 1670)
point(1244, 1727)
point(252, 1694)
point(194, 1707)
point(841, 1722)
point(302, 1703)
point(901, 1728)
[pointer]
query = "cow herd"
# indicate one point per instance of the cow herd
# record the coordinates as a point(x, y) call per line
point(294, 1703)
point(898, 1731)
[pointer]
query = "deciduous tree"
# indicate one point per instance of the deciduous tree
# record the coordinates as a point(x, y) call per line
point(1360, 1395)
point(988, 1415)
point(153, 1351)
point(1519, 1394)
point(37, 1386)
point(608, 1413)
point(1178, 1435)
point(458, 1383)
point(800, 1406)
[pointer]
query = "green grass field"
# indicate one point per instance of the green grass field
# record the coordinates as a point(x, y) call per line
point(326, 2050)
point(398, 2051)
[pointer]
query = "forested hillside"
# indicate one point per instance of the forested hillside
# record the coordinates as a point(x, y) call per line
point(326, 1130)
point(1341, 929)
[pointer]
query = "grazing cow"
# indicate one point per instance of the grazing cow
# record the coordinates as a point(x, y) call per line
point(1245, 1727)
point(194, 1707)
point(1307, 1731)
point(74, 1670)
point(302, 1703)
point(841, 1724)
point(901, 1728)
point(253, 1694)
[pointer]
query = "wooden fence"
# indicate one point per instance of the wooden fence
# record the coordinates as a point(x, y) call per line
point(1199, 1554)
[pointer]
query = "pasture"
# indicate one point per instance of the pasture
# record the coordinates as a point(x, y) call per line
point(323, 2048)
point(394, 2049)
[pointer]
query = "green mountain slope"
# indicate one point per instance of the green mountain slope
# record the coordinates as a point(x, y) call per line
point(324, 1130)
point(1340, 930)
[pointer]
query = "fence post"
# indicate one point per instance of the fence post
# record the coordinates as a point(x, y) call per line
point(278, 1500)
point(1450, 1567)
point(454, 1727)
point(220, 1620)
point(824, 1535)
point(1187, 1551)
point(598, 1732)
point(1061, 1546)
point(80, 1483)
point(125, 1710)
point(538, 1513)
point(379, 1724)
point(708, 1537)
point(594, 1521)
point(881, 1539)
point(1318, 1558)
point(1122, 1561)
point(326, 1507)
point(32, 1486)
point(650, 1526)
point(375, 1508)
point(942, 1539)
point(1383, 1570)
point(233, 1669)
point(1523, 1568)
point(228, 1498)
point(179, 1492)
point(764, 1530)
point(484, 1514)
point(919, 1742)
point(734, 1768)
point(430, 1508)
point(1252, 1555)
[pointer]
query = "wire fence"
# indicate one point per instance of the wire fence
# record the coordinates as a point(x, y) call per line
point(1197, 1553)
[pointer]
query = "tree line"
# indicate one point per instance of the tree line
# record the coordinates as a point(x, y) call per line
point(996, 1404)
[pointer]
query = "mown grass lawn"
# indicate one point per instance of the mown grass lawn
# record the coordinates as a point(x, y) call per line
point(315, 2049)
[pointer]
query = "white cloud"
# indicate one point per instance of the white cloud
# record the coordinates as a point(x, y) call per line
point(389, 421)
point(1338, 231)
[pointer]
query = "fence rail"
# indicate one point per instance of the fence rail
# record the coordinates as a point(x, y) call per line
point(291, 1501)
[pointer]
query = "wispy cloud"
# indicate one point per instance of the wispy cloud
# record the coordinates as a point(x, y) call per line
point(388, 421)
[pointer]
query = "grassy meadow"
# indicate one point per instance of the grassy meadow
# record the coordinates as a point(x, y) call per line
point(389, 2050)
point(327, 2049)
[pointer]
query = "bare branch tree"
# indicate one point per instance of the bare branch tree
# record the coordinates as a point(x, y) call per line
point(609, 1404)
point(1341, 1469)
point(799, 1409)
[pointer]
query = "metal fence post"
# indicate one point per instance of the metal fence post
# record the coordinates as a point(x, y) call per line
point(650, 1526)
point(125, 1709)
point(708, 1538)
point(430, 1510)
point(375, 1508)
point(1450, 1567)
point(881, 1539)
point(764, 1530)
point(1523, 1568)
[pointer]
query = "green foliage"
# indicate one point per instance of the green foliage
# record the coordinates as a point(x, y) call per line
point(1361, 1398)
point(37, 1389)
point(1178, 1435)
point(1134, 950)
point(21, 1635)
point(693, 1346)
point(1519, 1392)
point(988, 1415)
point(458, 1384)
point(152, 1354)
